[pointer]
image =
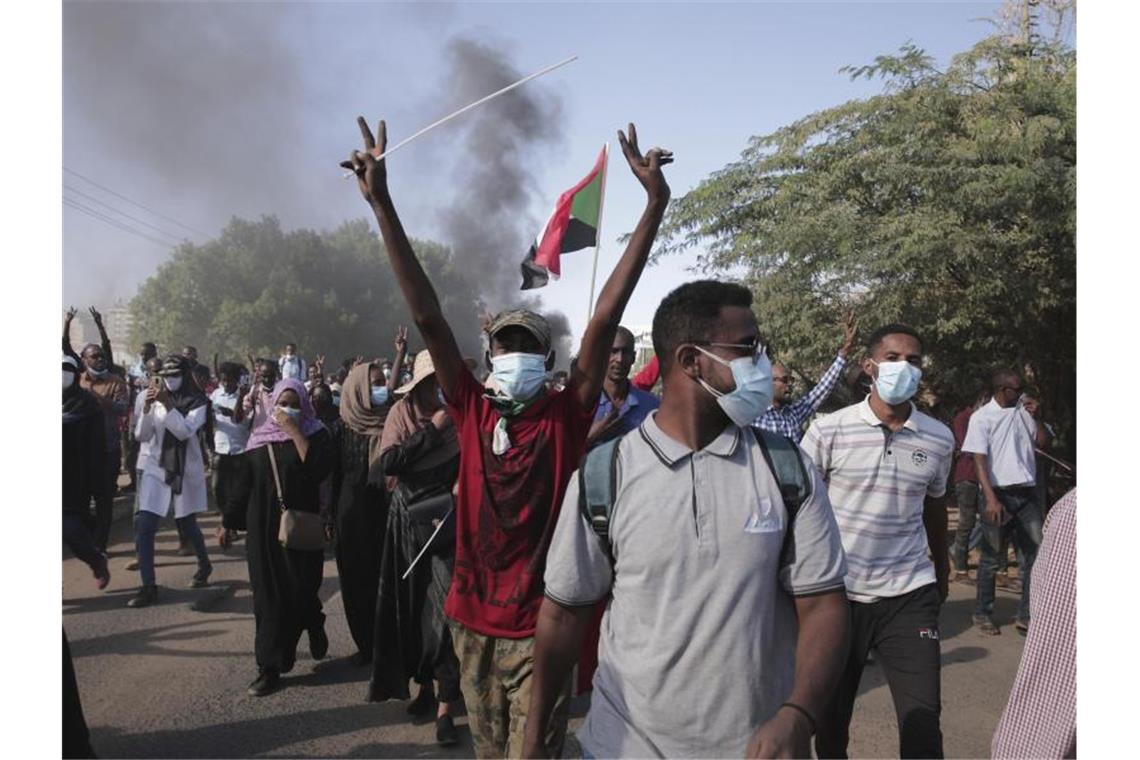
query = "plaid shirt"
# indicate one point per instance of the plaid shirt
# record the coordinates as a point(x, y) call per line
point(788, 420)
point(1041, 717)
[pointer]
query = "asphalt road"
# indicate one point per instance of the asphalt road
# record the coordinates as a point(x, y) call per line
point(170, 680)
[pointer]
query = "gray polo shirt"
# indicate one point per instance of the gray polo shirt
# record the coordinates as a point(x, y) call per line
point(698, 641)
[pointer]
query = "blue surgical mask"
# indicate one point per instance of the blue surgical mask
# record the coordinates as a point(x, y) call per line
point(294, 413)
point(379, 395)
point(173, 383)
point(897, 381)
point(519, 376)
point(753, 392)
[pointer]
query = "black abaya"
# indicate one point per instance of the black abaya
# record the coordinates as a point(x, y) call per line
point(286, 582)
point(361, 513)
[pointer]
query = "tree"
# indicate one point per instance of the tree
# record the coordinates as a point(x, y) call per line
point(256, 287)
point(946, 202)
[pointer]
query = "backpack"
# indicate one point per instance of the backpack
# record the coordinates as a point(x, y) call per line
point(597, 482)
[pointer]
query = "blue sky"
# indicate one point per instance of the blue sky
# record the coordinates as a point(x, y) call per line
point(699, 79)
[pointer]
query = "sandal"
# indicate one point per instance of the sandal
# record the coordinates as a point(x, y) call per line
point(1022, 627)
point(986, 625)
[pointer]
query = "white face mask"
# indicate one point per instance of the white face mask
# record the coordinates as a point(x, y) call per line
point(173, 383)
point(519, 376)
point(753, 392)
point(897, 381)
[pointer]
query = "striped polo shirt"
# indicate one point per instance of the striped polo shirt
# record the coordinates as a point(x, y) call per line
point(877, 481)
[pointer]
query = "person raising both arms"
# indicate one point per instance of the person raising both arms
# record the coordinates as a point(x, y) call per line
point(518, 449)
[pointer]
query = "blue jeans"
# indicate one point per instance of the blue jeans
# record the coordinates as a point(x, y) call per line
point(1025, 530)
point(969, 501)
point(146, 526)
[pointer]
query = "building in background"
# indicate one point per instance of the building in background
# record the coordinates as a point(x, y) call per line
point(118, 321)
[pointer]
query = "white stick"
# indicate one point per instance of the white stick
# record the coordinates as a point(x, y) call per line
point(438, 528)
point(467, 108)
point(598, 247)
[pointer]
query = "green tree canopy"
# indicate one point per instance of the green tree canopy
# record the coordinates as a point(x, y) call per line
point(256, 287)
point(946, 202)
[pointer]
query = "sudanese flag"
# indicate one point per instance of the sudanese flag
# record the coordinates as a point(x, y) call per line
point(572, 227)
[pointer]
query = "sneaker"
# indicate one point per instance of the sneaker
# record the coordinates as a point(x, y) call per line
point(318, 643)
point(1022, 626)
point(445, 733)
point(185, 550)
point(146, 596)
point(201, 578)
point(268, 681)
point(985, 625)
point(132, 565)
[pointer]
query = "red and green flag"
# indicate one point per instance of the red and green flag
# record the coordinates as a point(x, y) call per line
point(572, 227)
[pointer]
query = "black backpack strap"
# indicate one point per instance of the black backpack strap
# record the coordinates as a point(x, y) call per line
point(783, 458)
point(597, 489)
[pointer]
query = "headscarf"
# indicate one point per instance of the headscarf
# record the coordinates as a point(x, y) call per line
point(330, 413)
point(186, 399)
point(270, 432)
point(409, 416)
point(357, 412)
point(78, 404)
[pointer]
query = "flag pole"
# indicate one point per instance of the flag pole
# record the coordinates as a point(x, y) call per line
point(601, 208)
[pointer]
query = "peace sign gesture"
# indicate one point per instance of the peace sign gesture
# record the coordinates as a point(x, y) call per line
point(646, 168)
point(401, 339)
point(371, 175)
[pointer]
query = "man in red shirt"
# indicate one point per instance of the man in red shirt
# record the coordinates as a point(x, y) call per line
point(518, 449)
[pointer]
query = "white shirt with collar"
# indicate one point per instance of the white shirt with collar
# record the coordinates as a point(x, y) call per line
point(1006, 436)
point(878, 481)
point(154, 493)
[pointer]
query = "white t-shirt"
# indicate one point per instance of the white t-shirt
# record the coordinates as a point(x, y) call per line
point(1006, 437)
point(229, 437)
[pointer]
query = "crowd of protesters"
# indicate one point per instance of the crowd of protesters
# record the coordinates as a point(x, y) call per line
point(494, 524)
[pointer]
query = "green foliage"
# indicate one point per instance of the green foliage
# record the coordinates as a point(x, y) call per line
point(946, 202)
point(255, 288)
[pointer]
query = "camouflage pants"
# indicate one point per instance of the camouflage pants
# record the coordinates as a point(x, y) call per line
point(495, 677)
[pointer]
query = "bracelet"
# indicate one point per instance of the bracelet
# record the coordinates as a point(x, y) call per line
point(802, 711)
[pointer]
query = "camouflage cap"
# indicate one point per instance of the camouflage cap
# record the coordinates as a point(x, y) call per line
point(533, 323)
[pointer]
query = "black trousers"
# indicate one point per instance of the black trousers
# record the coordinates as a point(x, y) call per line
point(105, 499)
point(903, 631)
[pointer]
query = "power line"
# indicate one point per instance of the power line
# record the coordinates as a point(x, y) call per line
point(135, 203)
point(143, 222)
point(112, 222)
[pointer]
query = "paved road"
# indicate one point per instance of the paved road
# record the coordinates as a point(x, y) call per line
point(169, 680)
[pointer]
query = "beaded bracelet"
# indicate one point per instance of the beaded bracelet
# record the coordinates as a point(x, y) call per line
point(803, 712)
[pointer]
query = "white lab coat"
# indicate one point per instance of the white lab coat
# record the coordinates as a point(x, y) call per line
point(154, 494)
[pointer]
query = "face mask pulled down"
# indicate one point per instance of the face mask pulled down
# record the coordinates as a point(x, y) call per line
point(753, 392)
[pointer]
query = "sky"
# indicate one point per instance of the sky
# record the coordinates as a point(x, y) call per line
point(203, 111)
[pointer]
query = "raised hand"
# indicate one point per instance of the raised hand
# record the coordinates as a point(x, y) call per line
point(320, 362)
point(646, 168)
point(358, 360)
point(371, 175)
point(71, 312)
point(401, 339)
point(95, 315)
point(850, 326)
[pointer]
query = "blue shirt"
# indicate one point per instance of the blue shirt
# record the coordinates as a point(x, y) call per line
point(638, 404)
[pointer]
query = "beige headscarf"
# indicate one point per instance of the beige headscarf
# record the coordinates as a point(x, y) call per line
point(409, 416)
point(357, 412)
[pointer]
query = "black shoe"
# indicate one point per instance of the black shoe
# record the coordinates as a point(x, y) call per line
point(201, 578)
point(445, 733)
point(268, 681)
point(146, 596)
point(318, 643)
point(360, 659)
point(423, 705)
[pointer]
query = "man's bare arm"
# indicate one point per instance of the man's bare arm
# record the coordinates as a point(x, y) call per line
point(414, 283)
point(557, 641)
point(590, 370)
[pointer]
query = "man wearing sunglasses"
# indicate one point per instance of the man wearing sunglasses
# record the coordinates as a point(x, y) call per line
point(1002, 436)
point(787, 417)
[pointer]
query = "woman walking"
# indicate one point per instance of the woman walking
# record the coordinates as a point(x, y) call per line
point(285, 582)
point(361, 508)
point(419, 453)
point(173, 413)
